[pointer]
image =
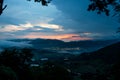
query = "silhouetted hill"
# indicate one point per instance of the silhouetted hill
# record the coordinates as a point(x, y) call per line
point(56, 48)
point(46, 43)
point(85, 46)
point(109, 54)
point(101, 59)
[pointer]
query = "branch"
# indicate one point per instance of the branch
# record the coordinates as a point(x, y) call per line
point(4, 7)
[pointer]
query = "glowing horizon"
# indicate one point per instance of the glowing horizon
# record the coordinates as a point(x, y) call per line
point(63, 37)
point(60, 20)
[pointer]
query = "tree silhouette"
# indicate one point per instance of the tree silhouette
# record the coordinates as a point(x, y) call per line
point(43, 2)
point(101, 6)
point(6, 73)
point(51, 71)
point(18, 60)
point(1, 6)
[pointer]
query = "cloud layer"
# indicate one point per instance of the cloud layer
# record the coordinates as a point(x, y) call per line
point(63, 20)
point(8, 44)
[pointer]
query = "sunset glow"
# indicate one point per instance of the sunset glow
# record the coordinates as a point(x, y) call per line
point(60, 20)
point(64, 37)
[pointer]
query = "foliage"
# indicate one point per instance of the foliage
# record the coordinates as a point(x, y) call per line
point(115, 70)
point(105, 63)
point(6, 73)
point(50, 71)
point(1, 6)
point(10, 57)
point(15, 65)
point(18, 60)
point(103, 6)
point(43, 2)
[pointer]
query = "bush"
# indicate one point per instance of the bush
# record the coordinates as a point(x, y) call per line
point(6, 73)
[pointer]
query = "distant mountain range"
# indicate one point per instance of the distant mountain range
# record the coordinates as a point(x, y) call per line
point(55, 49)
point(97, 56)
point(101, 60)
point(84, 46)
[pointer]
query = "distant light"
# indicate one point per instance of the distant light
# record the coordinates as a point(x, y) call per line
point(44, 59)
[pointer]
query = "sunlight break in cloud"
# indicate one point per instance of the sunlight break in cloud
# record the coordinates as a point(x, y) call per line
point(51, 26)
point(13, 28)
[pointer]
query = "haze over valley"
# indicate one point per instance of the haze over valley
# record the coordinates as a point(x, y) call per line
point(55, 49)
point(59, 39)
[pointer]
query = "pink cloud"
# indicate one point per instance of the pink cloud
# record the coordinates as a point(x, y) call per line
point(64, 37)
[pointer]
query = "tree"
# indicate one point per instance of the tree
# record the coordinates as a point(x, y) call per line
point(43, 2)
point(101, 6)
point(18, 57)
point(51, 71)
point(1, 6)
point(6, 73)
point(18, 60)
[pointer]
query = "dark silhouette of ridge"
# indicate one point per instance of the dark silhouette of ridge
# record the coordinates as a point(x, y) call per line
point(109, 54)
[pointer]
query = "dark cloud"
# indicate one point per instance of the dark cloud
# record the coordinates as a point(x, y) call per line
point(77, 18)
point(75, 9)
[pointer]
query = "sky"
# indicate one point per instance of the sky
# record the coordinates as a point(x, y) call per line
point(66, 20)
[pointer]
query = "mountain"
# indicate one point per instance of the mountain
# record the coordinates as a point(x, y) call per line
point(46, 43)
point(108, 54)
point(56, 49)
point(9, 44)
point(58, 45)
point(101, 60)
point(100, 64)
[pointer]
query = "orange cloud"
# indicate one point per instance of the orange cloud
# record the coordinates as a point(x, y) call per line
point(76, 38)
point(65, 37)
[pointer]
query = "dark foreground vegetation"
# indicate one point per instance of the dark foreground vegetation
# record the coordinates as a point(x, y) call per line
point(104, 64)
point(15, 64)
